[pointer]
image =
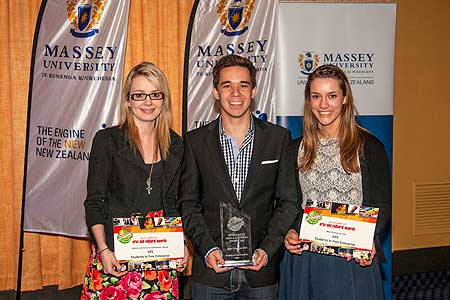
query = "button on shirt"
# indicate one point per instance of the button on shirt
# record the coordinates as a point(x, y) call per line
point(237, 160)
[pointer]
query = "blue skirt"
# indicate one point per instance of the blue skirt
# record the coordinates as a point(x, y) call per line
point(313, 276)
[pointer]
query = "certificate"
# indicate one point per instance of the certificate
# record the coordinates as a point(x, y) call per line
point(148, 243)
point(338, 229)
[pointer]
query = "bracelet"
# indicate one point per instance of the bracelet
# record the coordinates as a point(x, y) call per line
point(101, 251)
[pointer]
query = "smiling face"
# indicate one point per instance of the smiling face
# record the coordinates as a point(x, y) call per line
point(147, 111)
point(234, 92)
point(327, 100)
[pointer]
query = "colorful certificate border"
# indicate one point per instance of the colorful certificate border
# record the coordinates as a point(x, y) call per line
point(138, 230)
point(338, 217)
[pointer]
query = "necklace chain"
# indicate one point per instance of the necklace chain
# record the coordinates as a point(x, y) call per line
point(149, 180)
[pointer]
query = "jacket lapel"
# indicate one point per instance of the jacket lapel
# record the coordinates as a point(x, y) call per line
point(218, 161)
point(133, 157)
point(364, 177)
point(172, 164)
point(136, 159)
point(257, 156)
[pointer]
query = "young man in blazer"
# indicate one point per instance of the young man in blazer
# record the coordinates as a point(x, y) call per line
point(249, 164)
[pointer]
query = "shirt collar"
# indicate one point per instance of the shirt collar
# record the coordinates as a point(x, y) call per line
point(251, 128)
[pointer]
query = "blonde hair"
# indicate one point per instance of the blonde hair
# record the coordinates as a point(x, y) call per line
point(350, 135)
point(162, 124)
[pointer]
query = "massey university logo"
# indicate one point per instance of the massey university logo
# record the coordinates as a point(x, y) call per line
point(84, 16)
point(234, 16)
point(261, 115)
point(308, 62)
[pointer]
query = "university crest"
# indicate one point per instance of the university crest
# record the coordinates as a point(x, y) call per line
point(84, 16)
point(235, 15)
point(308, 62)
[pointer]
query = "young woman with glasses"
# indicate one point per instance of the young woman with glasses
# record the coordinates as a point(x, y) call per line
point(134, 168)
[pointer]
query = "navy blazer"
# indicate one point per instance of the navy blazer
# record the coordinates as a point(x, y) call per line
point(269, 197)
point(117, 179)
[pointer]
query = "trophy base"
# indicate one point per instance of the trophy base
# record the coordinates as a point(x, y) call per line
point(236, 263)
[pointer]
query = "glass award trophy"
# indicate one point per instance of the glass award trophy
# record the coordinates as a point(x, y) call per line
point(236, 236)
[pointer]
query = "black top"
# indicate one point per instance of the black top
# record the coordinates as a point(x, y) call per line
point(154, 200)
point(116, 185)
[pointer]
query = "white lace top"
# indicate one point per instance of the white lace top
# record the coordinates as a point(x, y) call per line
point(327, 180)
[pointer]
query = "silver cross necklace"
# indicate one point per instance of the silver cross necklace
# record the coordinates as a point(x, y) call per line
point(149, 181)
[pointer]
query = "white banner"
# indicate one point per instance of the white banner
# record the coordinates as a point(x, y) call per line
point(356, 37)
point(218, 28)
point(360, 39)
point(75, 91)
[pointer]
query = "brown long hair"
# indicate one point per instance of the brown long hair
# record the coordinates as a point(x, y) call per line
point(350, 135)
point(162, 124)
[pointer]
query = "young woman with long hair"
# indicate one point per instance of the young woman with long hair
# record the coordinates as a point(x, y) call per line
point(134, 168)
point(338, 161)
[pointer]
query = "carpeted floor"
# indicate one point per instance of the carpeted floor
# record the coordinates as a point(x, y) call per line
point(48, 293)
point(418, 286)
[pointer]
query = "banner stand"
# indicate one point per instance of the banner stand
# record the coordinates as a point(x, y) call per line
point(24, 185)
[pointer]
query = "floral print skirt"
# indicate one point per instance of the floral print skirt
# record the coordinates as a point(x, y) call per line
point(135, 285)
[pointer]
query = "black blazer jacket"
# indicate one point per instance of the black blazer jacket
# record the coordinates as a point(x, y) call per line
point(376, 185)
point(269, 197)
point(117, 179)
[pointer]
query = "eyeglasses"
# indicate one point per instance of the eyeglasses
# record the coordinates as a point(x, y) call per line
point(143, 96)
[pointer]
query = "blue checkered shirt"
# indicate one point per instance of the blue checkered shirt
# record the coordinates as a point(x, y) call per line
point(237, 160)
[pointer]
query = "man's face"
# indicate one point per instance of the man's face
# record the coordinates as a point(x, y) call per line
point(234, 92)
